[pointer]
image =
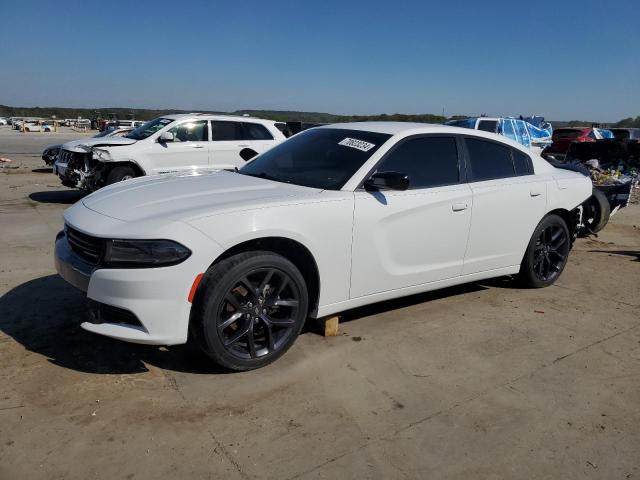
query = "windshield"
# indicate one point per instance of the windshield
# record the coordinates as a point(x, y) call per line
point(149, 128)
point(324, 158)
point(104, 133)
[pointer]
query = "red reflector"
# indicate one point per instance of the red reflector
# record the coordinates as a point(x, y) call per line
point(194, 287)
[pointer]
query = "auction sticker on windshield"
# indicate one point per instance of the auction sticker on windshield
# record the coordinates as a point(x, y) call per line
point(358, 144)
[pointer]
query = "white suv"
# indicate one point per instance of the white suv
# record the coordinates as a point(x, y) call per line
point(169, 144)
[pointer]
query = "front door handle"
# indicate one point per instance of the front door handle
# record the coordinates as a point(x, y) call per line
point(196, 146)
point(458, 207)
point(243, 146)
point(534, 192)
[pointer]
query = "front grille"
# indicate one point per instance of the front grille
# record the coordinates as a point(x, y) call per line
point(88, 247)
point(73, 160)
point(65, 156)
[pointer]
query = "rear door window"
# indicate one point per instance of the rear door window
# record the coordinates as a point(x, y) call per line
point(428, 161)
point(488, 160)
point(255, 131)
point(225, 131)
point(521, 162)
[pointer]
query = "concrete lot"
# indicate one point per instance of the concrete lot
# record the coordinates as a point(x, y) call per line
point(481, 381)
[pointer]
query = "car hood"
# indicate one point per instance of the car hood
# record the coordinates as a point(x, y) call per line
point(185, 197)
point(85, 144)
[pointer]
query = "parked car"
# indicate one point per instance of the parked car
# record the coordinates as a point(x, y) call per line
point(174, 143)
point(563, 137)
point(17, 123)
point(3, 121)
point(37, 127)
point(335, 217)
point(537, 137)
point(50, 153)
point(626, 133)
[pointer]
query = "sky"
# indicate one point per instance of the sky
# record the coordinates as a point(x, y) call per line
point(561, 59)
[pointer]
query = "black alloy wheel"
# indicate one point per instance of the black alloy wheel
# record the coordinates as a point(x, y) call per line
point(258, 313)
point(547, 253)
point(249, 309)
point(550, 253)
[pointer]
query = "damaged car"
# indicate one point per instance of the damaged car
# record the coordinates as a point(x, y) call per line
point(334, 218)
point(50, 153)
point(613, 165)
point(169, 144)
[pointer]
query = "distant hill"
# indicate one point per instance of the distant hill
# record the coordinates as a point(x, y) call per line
point(148, 114)
point(123, 113)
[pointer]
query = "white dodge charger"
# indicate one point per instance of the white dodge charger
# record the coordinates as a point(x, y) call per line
point(336, 217)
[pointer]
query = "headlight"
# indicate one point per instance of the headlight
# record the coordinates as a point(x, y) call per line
point(144, 253)
point(100, 154)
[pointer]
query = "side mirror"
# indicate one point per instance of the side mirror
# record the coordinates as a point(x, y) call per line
point(165, 137)
point(387, 181)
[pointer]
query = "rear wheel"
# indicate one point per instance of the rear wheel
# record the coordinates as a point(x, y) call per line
point(596, 213)
point(547, 253)
point(118, 174)
point(249, 310)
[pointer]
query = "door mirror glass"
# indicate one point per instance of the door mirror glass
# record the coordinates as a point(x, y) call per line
point(166, 137)
point(388, 181)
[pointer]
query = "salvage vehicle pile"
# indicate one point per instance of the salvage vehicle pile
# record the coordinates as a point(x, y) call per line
point(611, 162)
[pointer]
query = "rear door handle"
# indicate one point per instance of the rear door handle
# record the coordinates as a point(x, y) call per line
point(458, 207)
point(196, 146)
point(243, 146)
point(535, 192)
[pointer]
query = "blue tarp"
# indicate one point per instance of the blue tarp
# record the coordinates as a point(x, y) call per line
point(522, 131)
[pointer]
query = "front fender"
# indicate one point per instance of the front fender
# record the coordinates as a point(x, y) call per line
point(323, 227)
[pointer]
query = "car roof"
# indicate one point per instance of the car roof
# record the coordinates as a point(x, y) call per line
point(212, 116)
point(410, 128)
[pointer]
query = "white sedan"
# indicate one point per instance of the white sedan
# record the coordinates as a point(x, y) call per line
point(37, 127)
point(334, 218)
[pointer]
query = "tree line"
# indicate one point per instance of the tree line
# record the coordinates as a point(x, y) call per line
point(122, 113)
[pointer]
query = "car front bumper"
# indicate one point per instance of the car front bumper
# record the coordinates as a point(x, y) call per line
point(151, 304)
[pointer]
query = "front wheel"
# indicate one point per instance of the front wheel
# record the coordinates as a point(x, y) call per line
point(118, 174)
point(547, 253)
point(249, 309)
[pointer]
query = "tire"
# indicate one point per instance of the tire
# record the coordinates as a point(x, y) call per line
point(245, 315)
point(546, 254)
point(118, 174)
point(596, 212)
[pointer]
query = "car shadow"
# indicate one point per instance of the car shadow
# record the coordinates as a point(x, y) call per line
point(627, 253)
point(44, 316)
point(42, 170)
point(66, 197)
